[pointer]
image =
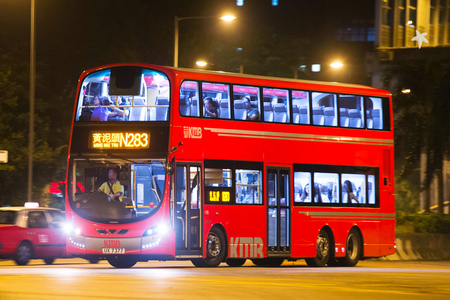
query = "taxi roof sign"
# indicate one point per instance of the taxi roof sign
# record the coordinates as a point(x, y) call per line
point(31, 204)
point(3, 156)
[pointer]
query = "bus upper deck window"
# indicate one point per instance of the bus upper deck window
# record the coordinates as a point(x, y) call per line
point(374, 112)
point(276, 105)
point(125, 94)
point(324, 109)
point(246, 103)
point(189, 106)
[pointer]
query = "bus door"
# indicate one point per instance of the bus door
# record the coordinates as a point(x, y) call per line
point(188, 219)
point(278, 211)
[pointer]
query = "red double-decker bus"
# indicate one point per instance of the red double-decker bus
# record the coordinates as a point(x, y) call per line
point(215, 167)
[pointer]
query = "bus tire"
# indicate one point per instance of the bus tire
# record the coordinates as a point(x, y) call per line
point(23, 253)
point(353, 250)
point(235, 262)
point(121, 262)
point(268, 262)
point(216, 249)
point(49, 260)
point(323, 249)
point(260, 262)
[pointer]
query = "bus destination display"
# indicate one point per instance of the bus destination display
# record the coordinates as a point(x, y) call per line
point(219, 196)
point(119, 140)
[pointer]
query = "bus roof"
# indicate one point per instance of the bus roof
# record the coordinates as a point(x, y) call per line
point(320, 85)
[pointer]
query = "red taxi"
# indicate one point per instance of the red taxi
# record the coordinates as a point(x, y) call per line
point(32, 232)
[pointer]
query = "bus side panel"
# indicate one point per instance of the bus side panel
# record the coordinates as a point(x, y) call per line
point(246, 237)
point(304, 234)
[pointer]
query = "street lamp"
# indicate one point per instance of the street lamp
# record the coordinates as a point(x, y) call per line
point(336, 64)
point(32, 91)
point(226, 18)
point(201, 63)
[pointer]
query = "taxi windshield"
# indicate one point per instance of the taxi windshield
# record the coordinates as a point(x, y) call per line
point(108, 191)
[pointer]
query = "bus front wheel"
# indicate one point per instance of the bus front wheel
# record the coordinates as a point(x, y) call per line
point(323, 248)
point(121, 262)
point(216, 249)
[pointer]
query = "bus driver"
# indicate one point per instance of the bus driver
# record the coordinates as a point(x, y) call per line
point(112, 187)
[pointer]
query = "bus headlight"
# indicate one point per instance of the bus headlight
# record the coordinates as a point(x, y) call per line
point(156, 230)
point(70, 229)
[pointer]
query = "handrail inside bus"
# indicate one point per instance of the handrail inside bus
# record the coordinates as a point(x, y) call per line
point(154, 190)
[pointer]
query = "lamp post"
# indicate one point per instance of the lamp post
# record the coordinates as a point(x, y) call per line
point(227, 18)
point(32, 90)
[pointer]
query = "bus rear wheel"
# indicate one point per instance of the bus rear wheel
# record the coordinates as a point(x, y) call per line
point(216, 249)
point(323, 248)
point(353, 250)
point(121, 262)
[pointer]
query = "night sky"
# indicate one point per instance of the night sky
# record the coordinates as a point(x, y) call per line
point(75, 35)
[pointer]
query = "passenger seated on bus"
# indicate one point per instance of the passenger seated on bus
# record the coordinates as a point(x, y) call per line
point(252, 113)
point(112, 187)
point(317, 194)
point(86, 112)
point(305, 197)
point(99, 113)
point(210, 110)
point(115, 113)
point(347, 188)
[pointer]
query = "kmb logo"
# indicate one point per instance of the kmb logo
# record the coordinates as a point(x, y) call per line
point(248, 247)
point(192, 132)
point(112, 243)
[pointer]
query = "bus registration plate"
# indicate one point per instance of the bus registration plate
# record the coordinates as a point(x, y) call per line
point(113, 250)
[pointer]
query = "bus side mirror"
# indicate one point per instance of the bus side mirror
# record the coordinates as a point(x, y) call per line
point(169, 166)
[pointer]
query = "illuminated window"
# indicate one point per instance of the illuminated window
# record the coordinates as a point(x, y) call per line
point(217, 177)
point(276, 105)
point(300, 107)
point(217, 97)
point(246, 103)
point(248, 187)
point(302, 190)
point(124, 94)
point(326, 188)
point(374, 113)
point(351, 111)
point(189, 105)
point(335, 186)
point(354, 188)
point(324, 109)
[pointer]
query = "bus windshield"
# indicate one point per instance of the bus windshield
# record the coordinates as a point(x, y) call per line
point(124, 94)
point(119, 191)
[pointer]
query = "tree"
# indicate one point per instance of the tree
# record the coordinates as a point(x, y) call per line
point(51, 127)
point(422, 117)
